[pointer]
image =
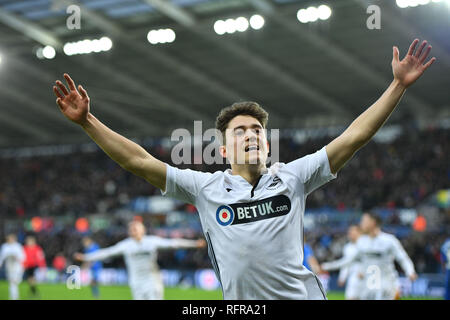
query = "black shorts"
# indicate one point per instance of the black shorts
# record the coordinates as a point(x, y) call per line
point(29, 272)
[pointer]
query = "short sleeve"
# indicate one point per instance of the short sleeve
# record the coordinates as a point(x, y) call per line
point(184, 184)
point(313, 170)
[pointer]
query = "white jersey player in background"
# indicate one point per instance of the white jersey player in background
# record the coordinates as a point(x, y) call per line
point(377, 251)
point(12, 255)
point(140, 253)
point(351, 275)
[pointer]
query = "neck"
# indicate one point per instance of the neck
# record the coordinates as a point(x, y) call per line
point(249, 172)
point(374, 232)
point(138, 238)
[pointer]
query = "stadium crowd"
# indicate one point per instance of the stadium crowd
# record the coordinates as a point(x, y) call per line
point(398, 174)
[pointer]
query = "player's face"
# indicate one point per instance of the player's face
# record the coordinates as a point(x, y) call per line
point(86, 242)
point(30, 241)
point(246, 141)
point(136, 230)
point(353, 233)
point(367, 224)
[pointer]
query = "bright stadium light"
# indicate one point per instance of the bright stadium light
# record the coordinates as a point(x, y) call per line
point(48, 52)
point(171, 36)
point(88, 46)
point(415, 3)
point(324, 12)
point(69, 49)
point(220, 27)
point(241, 24)
point(161, 36)
point(257, 22)
point(403, 3)
point(105, 44)
point(152, 37)
point(230, 26)
point(302, 16)
point(312, 14)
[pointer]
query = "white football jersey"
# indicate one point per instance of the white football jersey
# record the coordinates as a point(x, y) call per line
point(255, 234)
point(141, 256)
point(13, 256)
point(380, 252)
point(354, 268)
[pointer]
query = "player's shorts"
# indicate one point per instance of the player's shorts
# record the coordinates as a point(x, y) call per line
point(354, 287)
point(14, 275)
point(387, 290)
point(95, 274)
point(148, 290)
point(29, 272)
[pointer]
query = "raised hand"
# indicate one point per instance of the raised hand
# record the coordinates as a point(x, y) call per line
point(408, 70)
point(73, 104)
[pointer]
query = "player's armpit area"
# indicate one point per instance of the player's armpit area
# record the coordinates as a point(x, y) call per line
point(341, 150)
point(151, 169)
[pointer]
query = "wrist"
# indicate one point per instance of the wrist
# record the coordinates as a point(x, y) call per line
point(88, 121)
point(398, 84)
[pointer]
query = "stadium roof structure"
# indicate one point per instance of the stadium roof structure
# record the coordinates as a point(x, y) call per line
point(305, 74)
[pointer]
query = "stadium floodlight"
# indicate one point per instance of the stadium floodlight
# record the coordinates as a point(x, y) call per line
point(230, 26)
point(257, 22)
point(403, 3)
point(69, 49)
point(87, 46)
point(220, 27)
point(241, 24)
point(415, 3)
point(105, 44)
point(161, 36)
point(312, 13)
point(48, 52)
point(324, 12)
point(302, 16)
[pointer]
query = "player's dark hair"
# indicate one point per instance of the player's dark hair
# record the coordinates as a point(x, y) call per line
point(375, 217)
point(248, 108)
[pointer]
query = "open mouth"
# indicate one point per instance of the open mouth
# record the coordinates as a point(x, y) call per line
point(251, 148)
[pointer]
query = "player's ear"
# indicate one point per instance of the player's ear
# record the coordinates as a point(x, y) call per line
point(223, 151)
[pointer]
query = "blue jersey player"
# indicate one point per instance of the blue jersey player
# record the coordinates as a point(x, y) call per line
point(445, 254)
point(89, 247)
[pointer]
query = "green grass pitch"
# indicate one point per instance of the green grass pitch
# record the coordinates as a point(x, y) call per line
point(61, 292)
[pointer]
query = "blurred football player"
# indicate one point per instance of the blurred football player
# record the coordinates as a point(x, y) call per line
point(34, 259)
point(13, 256)
point(140, 253)
point(377, 252)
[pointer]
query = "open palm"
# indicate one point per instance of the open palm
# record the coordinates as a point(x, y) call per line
point(73, 104)
point(408, 70)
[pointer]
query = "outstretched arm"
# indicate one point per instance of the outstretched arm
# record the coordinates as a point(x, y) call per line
point(101, 254)
point(359, 133)
point(164, 243)
point(74, 104)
